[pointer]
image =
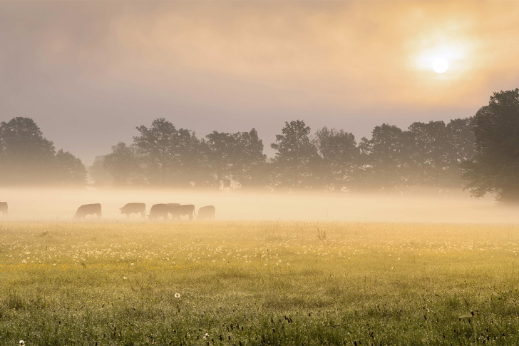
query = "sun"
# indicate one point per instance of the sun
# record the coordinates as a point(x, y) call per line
point(440, 65)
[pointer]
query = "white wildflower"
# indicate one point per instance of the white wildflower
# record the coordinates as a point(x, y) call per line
point(177, 295)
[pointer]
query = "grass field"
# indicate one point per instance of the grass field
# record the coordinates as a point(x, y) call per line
point(257, 283)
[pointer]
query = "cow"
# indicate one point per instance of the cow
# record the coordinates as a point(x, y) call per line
point(88, 209)
point(4, 208)
point(134, 208)
point(173, 204)
point(159, 210)
point(182, 210)
point(206, 212)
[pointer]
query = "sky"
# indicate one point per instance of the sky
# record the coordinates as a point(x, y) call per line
point(89, 72)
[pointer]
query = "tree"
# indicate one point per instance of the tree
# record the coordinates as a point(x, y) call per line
point(254, 170)
point(495, 167)
point(385, 158)
point(28, 157)
point(236, 155)
point(122, 163)
point(438, 152)
point(171, 156)
point(70, 169)
point(429, 159)
point(99, 174)
point(462, 148)
point(296, 156)
point(340, 154)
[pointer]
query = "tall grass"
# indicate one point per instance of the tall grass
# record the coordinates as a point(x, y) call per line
point(257, 283)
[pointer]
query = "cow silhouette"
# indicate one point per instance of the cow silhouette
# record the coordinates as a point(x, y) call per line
point(158, 211)
point(88, 209)
point(182, 210)
point(4, 208)
point(206, 212)
point(134, 208)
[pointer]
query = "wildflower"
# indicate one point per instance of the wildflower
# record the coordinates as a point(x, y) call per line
point(21, 342)
point(177, 295)
point(131, 264)
point(206, 336)
point(125, 278)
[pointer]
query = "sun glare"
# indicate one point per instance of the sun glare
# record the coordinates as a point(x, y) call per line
point(440, 65)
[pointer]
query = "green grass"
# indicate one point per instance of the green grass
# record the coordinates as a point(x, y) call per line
point(258, 283)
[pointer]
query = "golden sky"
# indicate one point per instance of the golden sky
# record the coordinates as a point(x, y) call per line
point(235, 65)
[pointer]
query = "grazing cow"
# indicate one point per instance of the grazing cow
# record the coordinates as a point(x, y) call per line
point(159, 210)
point(182, 210)
point(134, 208)
point(173, 204)
point(4, 208)
point(206, 212)
point(88, 209)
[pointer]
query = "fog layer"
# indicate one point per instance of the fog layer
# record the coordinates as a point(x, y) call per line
point(61, 205)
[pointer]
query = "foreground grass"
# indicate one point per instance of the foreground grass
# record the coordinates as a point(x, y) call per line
point(257, 283)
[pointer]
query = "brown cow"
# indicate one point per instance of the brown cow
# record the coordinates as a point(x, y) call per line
point(159, 210)
point(182, 210)
point(134, 208)
point(206, 212)
point(88, 209)
point(4, 208)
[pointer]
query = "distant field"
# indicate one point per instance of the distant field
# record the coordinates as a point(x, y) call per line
point(257, 283)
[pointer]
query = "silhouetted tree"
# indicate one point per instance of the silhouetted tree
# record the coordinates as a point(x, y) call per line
point(100, 176)
point(122, 163)
point(438, 152)
point(386, 162)
point(296, 157)
point(340, 157)
point(171, 156)
point(495, 167)
point(429, 160)
point(462, 148)
point(236, 155)
point(28, 158)
point(70, 169)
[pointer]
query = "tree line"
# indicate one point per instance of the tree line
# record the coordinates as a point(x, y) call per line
point(480, 153)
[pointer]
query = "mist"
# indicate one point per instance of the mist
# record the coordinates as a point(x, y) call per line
point(51, 204)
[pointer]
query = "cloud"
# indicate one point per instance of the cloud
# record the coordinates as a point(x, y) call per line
point(102, 68)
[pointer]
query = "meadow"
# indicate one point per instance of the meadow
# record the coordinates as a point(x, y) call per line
point(258, 283)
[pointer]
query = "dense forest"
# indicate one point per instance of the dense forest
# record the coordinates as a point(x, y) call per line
point(482, 150)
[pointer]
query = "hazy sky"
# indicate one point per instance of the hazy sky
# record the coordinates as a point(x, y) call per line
point(89, 72)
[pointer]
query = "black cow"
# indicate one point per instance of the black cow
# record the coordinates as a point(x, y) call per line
point(88, 209)
point(134, 208)
point(206, 212)
point(4, 208)
point(159, 210)
point(182, 210)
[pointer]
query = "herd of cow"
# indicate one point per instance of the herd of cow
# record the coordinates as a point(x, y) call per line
point(157, 211)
